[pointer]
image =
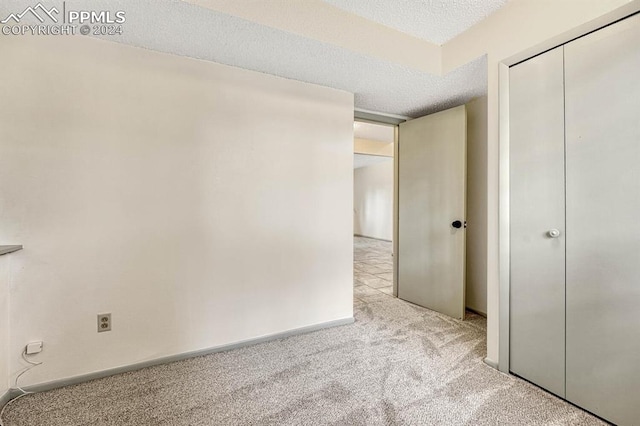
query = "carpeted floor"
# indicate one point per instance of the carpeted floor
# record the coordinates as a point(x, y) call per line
point(398, 364)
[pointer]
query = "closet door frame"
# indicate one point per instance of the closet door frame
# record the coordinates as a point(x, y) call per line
point(504, 251)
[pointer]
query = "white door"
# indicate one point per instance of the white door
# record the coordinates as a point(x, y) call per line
point(431, 211)
point(603, 221)
point(537, 228)
point(574, 221)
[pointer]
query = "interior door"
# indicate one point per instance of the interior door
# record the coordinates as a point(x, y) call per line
point(603, 221)
point(537, 223)
point(431, 211)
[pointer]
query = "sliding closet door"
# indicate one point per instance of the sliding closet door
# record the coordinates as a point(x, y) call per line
point(603, 221)
point(536, 157)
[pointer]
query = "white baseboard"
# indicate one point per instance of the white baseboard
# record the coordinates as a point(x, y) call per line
point(4, 398)
point(372, 238)
point(482, 314)
point(491, 363)
point(54, 384)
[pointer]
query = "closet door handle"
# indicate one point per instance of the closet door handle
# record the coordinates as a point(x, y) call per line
point(553, 233)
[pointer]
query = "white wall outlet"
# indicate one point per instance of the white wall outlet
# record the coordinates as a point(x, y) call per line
point(104, 322)
point(34, 348)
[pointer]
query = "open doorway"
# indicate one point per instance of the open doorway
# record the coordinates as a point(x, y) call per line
point(386, 161)
point(373, 209)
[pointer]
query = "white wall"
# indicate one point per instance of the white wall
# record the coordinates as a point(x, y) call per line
point(4, 324)
point(476, 295)
point(174, 193)
point(521, 28)
point(373, 200)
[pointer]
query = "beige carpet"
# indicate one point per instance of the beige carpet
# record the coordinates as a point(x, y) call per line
point(398, 364)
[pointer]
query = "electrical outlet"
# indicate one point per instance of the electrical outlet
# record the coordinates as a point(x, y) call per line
point(104, 322)
point(33, 348)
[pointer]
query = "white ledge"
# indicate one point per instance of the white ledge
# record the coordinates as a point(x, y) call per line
point(9, 249)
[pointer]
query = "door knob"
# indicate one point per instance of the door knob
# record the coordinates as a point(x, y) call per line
point(457, 224)
point(554, 233)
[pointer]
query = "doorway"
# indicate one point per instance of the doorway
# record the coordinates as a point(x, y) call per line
point(373, 209)
point(473, 264)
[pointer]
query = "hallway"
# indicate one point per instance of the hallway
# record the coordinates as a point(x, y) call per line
point(372, 267)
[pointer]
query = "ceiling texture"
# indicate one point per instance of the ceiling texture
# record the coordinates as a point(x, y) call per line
point(437, 21)
point(386, 70)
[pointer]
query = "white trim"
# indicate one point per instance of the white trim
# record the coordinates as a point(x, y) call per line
point(378, 117)
point(9, 249)
point(504, 220)
point(396, 205)
point(372, 238)
point(6, 397)
point(491, 363)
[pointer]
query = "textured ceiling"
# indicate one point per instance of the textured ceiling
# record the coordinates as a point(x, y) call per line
point(363, 160)
point(181, 28)
point(436, 21)
point(373, 132)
